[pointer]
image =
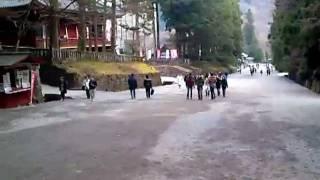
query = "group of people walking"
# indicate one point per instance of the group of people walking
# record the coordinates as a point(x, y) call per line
point(253, 70)
point(210, 83)
point(89, 85)
point(133, 85)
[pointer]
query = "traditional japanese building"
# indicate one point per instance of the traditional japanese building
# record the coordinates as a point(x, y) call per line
point(34, 18)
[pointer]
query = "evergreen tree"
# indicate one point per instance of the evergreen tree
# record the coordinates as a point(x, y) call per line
point(212, 27)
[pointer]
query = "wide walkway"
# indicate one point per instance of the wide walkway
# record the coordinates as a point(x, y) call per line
point(266, 128)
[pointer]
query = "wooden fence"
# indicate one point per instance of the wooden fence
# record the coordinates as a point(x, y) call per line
point(59, 56)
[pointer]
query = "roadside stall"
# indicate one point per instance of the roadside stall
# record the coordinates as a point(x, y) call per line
point(17, 79)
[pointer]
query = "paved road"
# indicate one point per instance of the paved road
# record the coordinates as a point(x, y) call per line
point(267, 128)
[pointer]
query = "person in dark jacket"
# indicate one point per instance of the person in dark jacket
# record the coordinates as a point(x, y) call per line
point(189, 84)
point(63, 88)
point(92, 88)
point(224, 84)
point(132, 82)
point(218, 83)
point(148, 86)
point(200, 83)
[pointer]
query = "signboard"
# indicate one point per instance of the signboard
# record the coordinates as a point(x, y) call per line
point(13, 3)
point(7, 82)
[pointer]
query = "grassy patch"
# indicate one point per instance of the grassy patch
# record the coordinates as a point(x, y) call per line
point(102, 68)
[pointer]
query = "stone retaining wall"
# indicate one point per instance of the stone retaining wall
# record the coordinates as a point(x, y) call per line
point(50, 75)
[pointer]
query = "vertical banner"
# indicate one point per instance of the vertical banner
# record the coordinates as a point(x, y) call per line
point(33, 82)
point(158, 54)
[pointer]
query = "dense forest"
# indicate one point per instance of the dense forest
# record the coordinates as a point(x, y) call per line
point(295, 39)
point(205, 29)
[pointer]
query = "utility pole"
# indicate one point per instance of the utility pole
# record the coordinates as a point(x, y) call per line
point(154, 28)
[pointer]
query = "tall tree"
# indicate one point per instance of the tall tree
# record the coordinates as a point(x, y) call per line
point(205, 29)
point(295, 36)
point(251, 43)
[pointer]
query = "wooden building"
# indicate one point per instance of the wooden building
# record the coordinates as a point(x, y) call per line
point(19, 80)
point(36, 19)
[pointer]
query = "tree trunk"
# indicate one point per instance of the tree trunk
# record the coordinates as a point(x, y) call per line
point(54, 27)
point(137, 40)
point(90, 37)
point(95, 26)
point(104, 26)
point(82, 27)
point(113, 27)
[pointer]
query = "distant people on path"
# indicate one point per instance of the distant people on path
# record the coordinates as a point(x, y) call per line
point(218, 83)
point(224, 85)
point(261, 72)
point(85, 86)
point(200, 83)
point(268, 71)
point(212, 84)
point(251, 70)
point(63, 88)
point(148, 86)
point(133, 84)
point(92, 88)
point(189, 80)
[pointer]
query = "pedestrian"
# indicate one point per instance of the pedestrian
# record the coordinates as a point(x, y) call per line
point(92, 88)
point(261, 72)
point(189, 80)
point(85, 86)
point(206, 86)
point(132, 82)
point(224, 85)
point(148, 86)
point(63, 88)
point(212, 84)
point(200, 83)
point(218, 83)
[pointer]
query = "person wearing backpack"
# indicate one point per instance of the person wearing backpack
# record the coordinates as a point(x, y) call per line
point(224, 84)
point(148, 86)
point(132, 82)
point(92, 88)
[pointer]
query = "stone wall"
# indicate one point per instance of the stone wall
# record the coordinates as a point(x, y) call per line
point(50, 75)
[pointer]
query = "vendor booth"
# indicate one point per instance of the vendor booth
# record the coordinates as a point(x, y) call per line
point(17, 79)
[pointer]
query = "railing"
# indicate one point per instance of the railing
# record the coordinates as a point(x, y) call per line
point(62, 55)
point(59, 56)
